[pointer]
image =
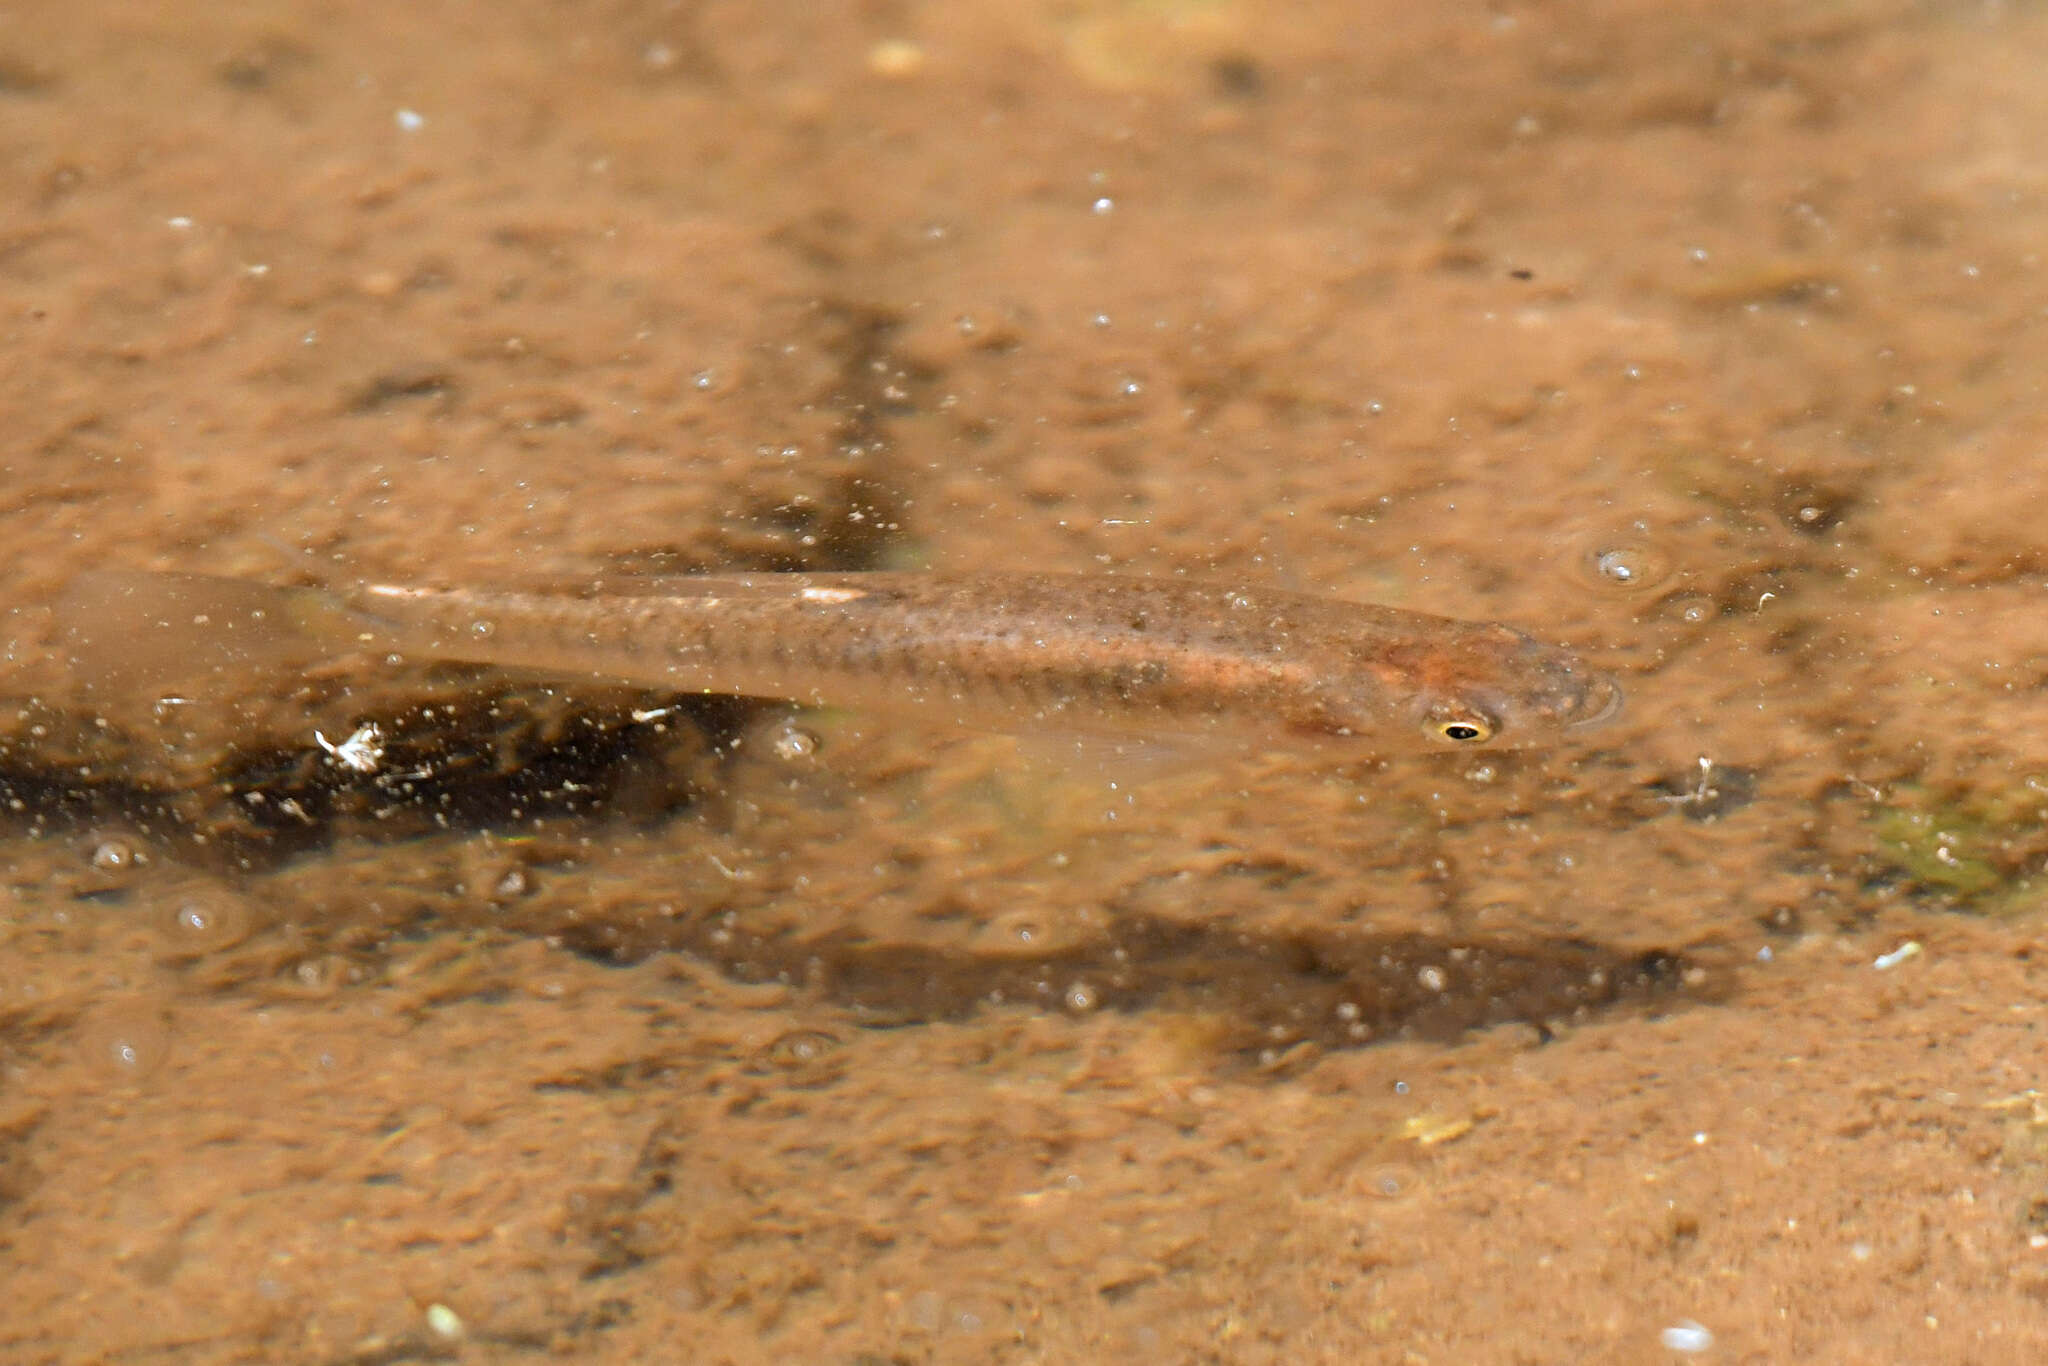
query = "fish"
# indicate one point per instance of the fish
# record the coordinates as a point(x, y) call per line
point(1175, 660)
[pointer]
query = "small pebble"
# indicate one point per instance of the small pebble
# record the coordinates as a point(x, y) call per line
point(444, 1322)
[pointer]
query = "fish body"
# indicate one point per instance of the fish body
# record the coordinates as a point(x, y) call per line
point(1186, 662)
point(1132, 656)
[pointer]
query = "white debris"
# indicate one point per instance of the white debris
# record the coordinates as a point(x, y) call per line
point(1686, 1336)
point(1884, 962)
point(361, 752)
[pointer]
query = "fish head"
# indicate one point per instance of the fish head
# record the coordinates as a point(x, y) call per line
point(1462, 686)
point(1497, 688)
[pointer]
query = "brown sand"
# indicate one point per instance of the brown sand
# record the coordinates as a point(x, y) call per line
point(565, 1029)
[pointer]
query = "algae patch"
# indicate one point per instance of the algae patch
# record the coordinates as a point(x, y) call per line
point(1980, 852)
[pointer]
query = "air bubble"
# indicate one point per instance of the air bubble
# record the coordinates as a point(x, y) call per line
point(115, 862)
point(1618, 565)
point(195, 919)
point(1388, 1181)
point(801, 1048)
point(125, 1042)
point(1628, 562)
point(792, 743)
point(115, 856)
point(1688, 609)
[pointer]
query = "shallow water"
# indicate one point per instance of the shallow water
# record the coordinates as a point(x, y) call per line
point(379, 1010)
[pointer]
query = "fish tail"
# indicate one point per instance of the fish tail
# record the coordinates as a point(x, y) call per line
point(124, 630)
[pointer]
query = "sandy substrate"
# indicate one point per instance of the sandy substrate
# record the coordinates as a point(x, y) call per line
point(1702, 338)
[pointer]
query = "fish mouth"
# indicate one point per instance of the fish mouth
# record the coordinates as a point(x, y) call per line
point(1598, 703)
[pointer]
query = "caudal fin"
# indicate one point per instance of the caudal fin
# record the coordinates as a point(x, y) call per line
point(124, 631)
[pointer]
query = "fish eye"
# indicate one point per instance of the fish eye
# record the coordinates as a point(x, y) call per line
point(1462, 726)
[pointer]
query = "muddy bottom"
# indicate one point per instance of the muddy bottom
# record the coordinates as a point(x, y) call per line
point(359, 1008)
